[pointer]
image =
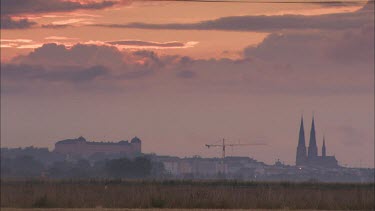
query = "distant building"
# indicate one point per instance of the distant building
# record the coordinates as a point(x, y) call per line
point(311, 157)
point(208, 168)
point(81, 147)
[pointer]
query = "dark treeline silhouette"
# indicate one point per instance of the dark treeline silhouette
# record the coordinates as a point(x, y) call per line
point(33, 162)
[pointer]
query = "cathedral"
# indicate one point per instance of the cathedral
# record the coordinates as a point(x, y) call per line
point(310, 157)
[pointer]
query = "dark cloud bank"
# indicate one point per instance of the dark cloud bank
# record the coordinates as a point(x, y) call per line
point(11, 8)
point(17, 7)
point(9, 23)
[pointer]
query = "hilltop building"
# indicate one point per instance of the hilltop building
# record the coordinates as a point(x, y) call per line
point(81, 147)
point(311, 157)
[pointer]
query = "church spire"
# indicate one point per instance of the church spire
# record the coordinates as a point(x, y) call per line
point(324, 147)
point(313, 149)
point(301, 147)
point(301, 138)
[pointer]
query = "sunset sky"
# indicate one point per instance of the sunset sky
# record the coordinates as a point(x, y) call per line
point(182, 74)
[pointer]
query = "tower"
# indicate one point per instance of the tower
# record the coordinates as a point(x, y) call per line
point(301, 147)
point(313, 149)
point(324, 148)
point(136, 144)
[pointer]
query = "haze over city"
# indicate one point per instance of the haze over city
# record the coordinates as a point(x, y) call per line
point(180, 75)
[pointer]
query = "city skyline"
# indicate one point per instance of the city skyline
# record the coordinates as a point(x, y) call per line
point(184, 74)
point(305, 155)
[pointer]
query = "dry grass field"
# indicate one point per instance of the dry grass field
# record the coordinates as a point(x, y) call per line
point(186, 194)
point(108, 209)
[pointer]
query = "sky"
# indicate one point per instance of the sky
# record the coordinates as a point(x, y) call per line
point(182, 74)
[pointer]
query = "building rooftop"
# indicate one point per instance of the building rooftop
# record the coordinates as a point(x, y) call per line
point(135, 140)
point(83, 140)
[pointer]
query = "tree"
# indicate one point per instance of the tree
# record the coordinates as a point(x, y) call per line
point(24, 167)
point(81, 169)
point(125, 168)
point(142, 167)
point(119, 168)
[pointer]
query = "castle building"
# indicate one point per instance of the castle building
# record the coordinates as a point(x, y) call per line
point(311, 158)
point(81, 147)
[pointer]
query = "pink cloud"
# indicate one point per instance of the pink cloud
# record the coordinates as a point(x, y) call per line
point(72, 21)
point(17, 40)
point(60, 38)
point(139, 44)
point(30, 46)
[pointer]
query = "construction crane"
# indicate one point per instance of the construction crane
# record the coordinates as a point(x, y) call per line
point(224, 145)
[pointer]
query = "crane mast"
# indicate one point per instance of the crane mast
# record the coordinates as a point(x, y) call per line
point(223, 147)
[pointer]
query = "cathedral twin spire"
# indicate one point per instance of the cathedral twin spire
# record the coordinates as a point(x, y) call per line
point(301, 148)
point(312, 152)
point(313, 148)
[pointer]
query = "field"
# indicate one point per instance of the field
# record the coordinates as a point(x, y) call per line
point(124, 209)
point(102, 194)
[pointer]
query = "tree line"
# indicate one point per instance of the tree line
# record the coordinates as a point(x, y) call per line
point(26, 165)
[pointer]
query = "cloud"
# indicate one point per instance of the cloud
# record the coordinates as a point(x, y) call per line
point(12, 8)
point(123, 44)
point(348, 46)
point(143, 43)
point(72, 21)
point(119, 44)
point(18, 43)
point(318, 61)
point(55, 26)
point(336, 3)
point(17, 40)
point(30, 46)
point(54, 62)
point(17, 7)
point(9, 23)
point(54, 54)
point(293, 63)
point(268, 23)
point(60, 38)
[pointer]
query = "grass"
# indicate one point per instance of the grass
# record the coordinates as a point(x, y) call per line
point(126, 209)
point(185, 194)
